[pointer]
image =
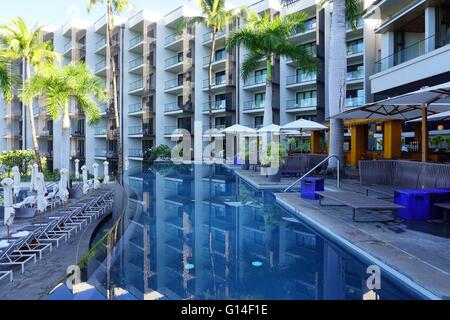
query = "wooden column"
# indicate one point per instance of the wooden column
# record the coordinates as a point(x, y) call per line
point(424, 133)
point(418, 135)
point(315, 142)
point(392, 140)
point(358, 143)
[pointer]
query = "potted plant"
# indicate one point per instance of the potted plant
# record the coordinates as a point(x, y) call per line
point(246, 164)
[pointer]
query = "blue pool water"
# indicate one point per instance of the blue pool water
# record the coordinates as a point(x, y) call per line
point(203, 233)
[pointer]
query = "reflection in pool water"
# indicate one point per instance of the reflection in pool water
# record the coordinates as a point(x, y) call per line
point(202, 233)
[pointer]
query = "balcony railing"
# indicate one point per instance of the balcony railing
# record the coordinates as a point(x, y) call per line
point(100, 65)
point(100, 152)
point(135, 130)
point(135, 153)
point(359, 24)
point(100, 131)
point(355, 48)
point(100, 43)
point(308, 25)
point(355, 75)
point(216, 105)
point(215, 82)
point(301, 103)
point(169, 129)
point(135, 85)
point(214, 127)
point(133, 64)
point(172, 38)
point(170, 107)
point(301, 78)
point(68, 46)
point(416, 50)
point(354, 102)
point(259, 79)
point(173, 61)
point(217, 58)
point(135, 41)
point(169, 84)
point(253, 105)
point(135, 107)
point(208, 36)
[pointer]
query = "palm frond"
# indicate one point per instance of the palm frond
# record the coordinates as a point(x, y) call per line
point(250, 64)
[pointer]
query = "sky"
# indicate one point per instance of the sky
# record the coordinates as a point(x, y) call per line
point(60, 11)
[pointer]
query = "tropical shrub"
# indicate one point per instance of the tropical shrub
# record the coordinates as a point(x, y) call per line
point(21, 158)
point(160, 152)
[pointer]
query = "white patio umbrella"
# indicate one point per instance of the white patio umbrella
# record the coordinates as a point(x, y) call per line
point(421, 103)
point(34, 172)
point(443, 116)
point(238, 129)
point(85, 179)
point(63, 193)
point(77, 169)
point(303, 125)
point(41, 190)
point(96, 182)
point(106, 172)
point(16, 177)
point(8, 215)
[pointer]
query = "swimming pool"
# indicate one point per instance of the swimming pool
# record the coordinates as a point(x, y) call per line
point(200, 232)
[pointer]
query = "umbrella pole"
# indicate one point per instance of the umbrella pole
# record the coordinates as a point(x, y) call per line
point(424, 133)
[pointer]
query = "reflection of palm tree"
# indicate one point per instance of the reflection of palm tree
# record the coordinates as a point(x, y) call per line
point(211, 257)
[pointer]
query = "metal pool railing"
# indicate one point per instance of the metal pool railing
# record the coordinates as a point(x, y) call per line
point(316, 167)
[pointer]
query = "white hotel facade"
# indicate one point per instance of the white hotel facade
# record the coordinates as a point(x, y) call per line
point(398, 47)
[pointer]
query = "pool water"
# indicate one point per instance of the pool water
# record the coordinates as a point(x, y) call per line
point(200, 232)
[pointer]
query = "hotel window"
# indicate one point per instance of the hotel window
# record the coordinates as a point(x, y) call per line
point(355, 46)
point(219, 236)
point(180, 79)
point(311, 48)
point(259, 120)
point(355, 72)
point(219, 121)
point(306, 99)
point(220, 77)
point(180, 56)
point(260, 75)
point(260, 98)
point(180, 101)
point(219, 54)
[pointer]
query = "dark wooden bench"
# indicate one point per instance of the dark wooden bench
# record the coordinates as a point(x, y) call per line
point(357, 201)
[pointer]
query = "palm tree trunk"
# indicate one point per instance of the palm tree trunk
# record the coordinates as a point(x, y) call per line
point(268, 113)
point(31, 116)
point(211, 59)
point(110, 27)
point(337, 81)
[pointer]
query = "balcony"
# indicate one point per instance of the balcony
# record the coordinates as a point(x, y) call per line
point(355, 76)
point(67, 48)
point(174, 131)
point(100, 68)
point(255, 81)
point(252, 106)
point(100, 131)
point(172, 107)
point(307, 29)
point(353, 102)
point(217, 106)
point(135, 108)
point(173, 41)
point(355, 48)
point(100, 153)
point(422, 60)
point(136, 65)
point(136, 42)
point(77, 133)
point(173, 86)
point(136, 153)
point(359, 25)
point(100, 46)
point(298, 105)
point(135, 130)
point(217, 59)
point(136, 86)
point(216, 83)
point(174, 63)
point(207, 37)
point(301, 79)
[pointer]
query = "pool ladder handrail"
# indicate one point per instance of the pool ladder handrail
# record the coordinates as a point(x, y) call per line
point(316, 167)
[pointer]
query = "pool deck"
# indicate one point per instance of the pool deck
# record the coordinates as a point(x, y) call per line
point(41, 277)
point(419, 259)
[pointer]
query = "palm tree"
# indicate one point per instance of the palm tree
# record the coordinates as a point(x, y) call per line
point(61, 85)
point(214, 17)
point(266, 38)
point(113, 7)
point(17, 41)
point(6, 81)
point(343, 11)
